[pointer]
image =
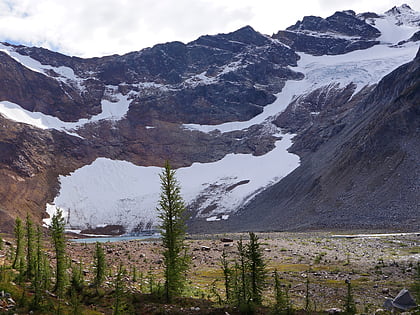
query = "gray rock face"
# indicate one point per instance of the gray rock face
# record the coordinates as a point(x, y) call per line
point(342, 23)
point(359, 176)
point(319, 46)
point(208, 81)
point(338, 34)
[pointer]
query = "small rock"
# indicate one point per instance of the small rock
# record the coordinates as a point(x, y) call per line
point(205, 248)
point(385, 290)
point(334, 310)
point(226, 240)
point(267, 250)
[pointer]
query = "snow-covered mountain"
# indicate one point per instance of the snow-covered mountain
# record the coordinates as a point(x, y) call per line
point(237, 114)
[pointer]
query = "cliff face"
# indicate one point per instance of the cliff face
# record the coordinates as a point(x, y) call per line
point(365, 175)
point(223, 109)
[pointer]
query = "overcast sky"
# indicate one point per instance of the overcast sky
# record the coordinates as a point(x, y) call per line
point(89, 28)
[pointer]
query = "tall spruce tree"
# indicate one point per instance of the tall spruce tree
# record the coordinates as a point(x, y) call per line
point(242, 275)
point(172, 214)
point(38, 272)
point(100, 265)
point(257, 270)
point(249, 275)
point(227, 276)
point(119, 307)
point(30, 249)
point(57, 233)
point(19, 235)
point(349, 305)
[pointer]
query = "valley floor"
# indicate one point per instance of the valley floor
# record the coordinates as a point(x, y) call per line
point(377, 267)
point(314, 265)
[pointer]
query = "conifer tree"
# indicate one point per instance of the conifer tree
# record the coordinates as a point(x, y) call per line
point(278, 295)
point(46, 270)
point(19, 235)
point(349, 305)
point(281, 297)
point(242, 272)
point(76, 287)
point(57, 231)
point(38, 272)
point(249, 274)
point(257, 271)
point(172, 214)
point(100, 265)
point(307, 292)
point(227, 275)
point(416, 285)
point(119, 306)
point(30, 252)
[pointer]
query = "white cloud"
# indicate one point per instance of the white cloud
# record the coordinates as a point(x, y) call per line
point(99, 27)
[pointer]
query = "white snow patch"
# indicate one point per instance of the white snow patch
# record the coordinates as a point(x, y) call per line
point(392, 33)
point(109, 192)
point(119, 192)
point(65, 74)
point(373, 235)
point(217, 218)
point(361, 67)
point(155, 86)
point(114, 110)
point(203, 79)
point(200, 79)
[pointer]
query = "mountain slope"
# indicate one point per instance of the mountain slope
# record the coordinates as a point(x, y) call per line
point(365, 176)
point(89, 135)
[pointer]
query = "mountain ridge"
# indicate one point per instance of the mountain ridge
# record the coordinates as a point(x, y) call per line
point(222, 107)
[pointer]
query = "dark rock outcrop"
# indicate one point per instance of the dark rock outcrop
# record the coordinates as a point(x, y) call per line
point(342, 23)
point(338, 34)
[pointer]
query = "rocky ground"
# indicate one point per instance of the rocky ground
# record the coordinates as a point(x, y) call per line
point(377, 267)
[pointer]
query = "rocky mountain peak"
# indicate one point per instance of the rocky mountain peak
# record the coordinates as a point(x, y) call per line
point(404, 15)
point(341, 23)
point(403, 9)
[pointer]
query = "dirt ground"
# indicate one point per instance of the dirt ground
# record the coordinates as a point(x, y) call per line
point(377, 267)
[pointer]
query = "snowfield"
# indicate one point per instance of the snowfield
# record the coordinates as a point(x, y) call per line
point(114, 110)
point(119, 192)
